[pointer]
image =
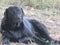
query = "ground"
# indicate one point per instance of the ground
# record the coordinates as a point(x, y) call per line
point(51, 18)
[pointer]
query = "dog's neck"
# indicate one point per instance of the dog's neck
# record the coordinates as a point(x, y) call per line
point(21, 27)
point(13, 27)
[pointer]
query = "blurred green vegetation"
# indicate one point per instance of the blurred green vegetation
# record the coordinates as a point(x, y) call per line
point(33, 3)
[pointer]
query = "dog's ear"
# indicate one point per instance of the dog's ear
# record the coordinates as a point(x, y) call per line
point(6, 13)
point(22, 12)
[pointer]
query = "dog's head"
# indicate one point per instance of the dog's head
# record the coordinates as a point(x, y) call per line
point(14, 15)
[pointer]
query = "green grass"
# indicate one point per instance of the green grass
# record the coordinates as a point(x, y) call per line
point(33, 3)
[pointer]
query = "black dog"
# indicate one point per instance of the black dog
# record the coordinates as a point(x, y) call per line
point(16, 28)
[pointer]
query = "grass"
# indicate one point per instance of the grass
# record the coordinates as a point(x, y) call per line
point(33, 3)
point(51, 18)
point(48, 13)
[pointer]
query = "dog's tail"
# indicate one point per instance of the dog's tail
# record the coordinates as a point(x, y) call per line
point(53, 41)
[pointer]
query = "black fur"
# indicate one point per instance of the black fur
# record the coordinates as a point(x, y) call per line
point(16, 28)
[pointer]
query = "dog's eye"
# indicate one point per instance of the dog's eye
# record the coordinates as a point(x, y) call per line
point(18, 24)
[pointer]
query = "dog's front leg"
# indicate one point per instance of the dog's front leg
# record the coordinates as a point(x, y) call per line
point(6, 41)
point(25, 40)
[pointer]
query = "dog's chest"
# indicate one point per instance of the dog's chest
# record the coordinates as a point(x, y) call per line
point(15, 34)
